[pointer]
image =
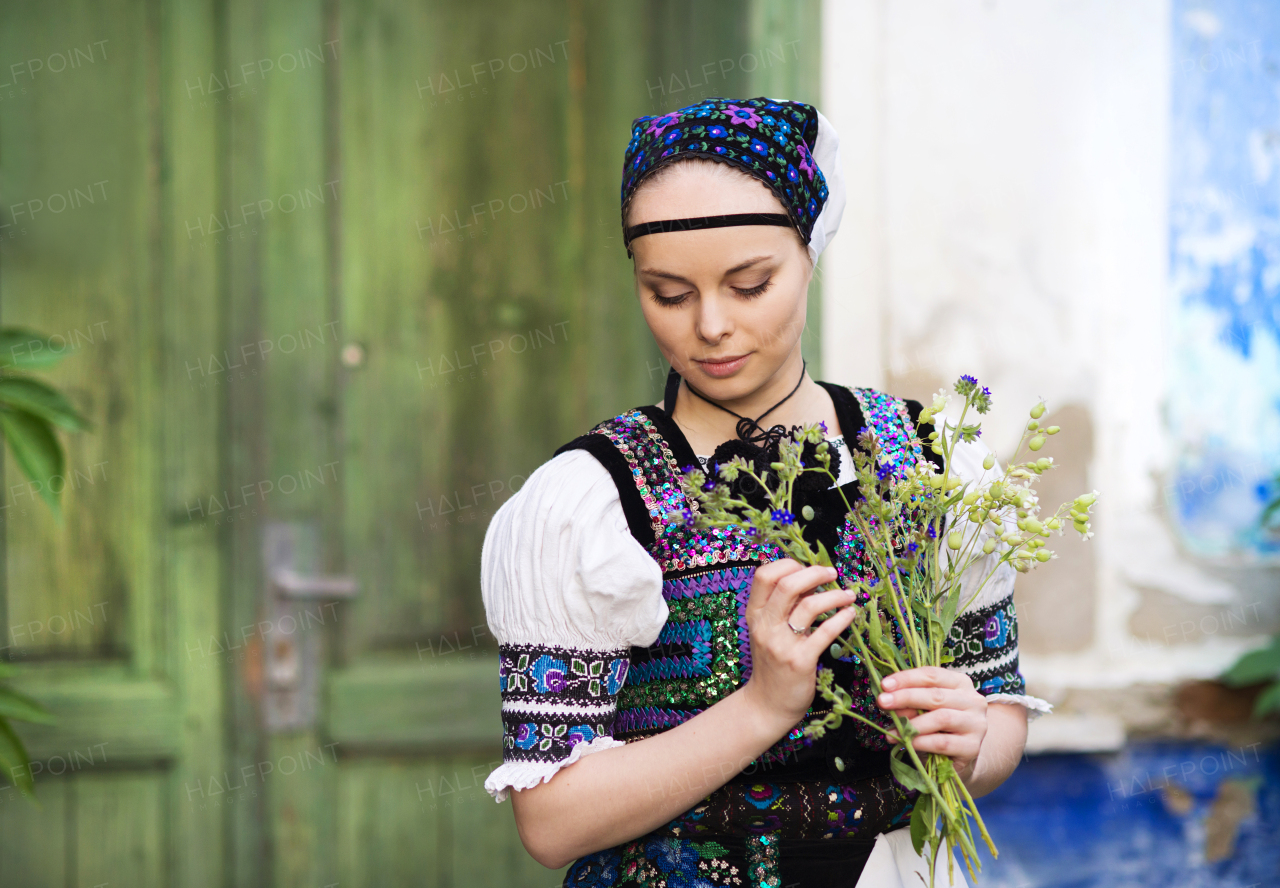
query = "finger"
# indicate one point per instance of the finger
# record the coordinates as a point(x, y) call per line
point(765, 581)
point(956, 746)
point(927, 699)
point(794, 585)
point(949, 721)
point(827, 631)
point(808, 608)
point(927, 677)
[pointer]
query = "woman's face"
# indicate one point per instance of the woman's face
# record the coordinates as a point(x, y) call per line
point(726, 305)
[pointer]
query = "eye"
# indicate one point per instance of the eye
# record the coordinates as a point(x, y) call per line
point(757, 290)
point(668, 301)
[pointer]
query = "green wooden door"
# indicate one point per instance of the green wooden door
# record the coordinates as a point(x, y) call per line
point(353, 272)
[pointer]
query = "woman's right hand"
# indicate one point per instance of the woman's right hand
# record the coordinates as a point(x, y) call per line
point(783, 663)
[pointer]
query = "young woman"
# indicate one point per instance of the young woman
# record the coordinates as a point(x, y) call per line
point(656, 678)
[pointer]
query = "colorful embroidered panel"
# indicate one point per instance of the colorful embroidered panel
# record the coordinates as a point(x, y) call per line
point(797, 809)
point(554, 698)
point(985, 645)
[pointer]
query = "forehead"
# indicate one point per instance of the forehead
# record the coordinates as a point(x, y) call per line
point(688, 190)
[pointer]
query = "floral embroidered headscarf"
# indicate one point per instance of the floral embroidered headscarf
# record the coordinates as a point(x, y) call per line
point(789, 146)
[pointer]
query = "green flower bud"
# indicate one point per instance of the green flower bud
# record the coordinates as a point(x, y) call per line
point(1043, 555)
point(807, 512)
point(936, 449)
point(839, 763)
point(1043, 463)
point(1033, 525)
point(1087, 500)
point(933, 436)
point(988, 547)
point(1037, 411)
point(953, 483)
point(1052, 430)
point(970, 498)
point(989, 462)
point(1036, 443)
point(1053, 524)
point(835, 651)
point(954, 540)
point(1033, 425)
point(926, 415)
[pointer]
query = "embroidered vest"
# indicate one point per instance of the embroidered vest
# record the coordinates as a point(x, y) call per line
point(703, 653)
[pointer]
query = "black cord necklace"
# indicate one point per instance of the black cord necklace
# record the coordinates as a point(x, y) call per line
point(749, 429)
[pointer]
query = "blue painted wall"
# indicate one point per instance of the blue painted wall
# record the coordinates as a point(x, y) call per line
point(1102, 821)
point(1224, 324)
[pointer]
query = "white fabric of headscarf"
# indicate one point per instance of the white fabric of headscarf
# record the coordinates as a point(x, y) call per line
point(826, 152)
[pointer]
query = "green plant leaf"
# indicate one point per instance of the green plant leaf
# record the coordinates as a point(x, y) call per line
point(19, 707)
point(1268, 701)
point(38, 399)
point(921, 822)
point(14, 760)
point(27, 349)
point(36, 450)
point(949, 610)
point(908, 776)
point(1255, 666)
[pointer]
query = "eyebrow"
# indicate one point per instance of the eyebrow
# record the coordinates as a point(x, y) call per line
point(741, 266)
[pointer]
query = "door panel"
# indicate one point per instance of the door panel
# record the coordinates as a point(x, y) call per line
point(353, 265)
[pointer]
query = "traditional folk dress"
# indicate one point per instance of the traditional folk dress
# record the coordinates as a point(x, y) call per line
point(617, 621)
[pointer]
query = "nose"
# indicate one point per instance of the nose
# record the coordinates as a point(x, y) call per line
point(713, 322)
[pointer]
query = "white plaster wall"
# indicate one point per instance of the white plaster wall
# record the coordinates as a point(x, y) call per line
point(1007, 218)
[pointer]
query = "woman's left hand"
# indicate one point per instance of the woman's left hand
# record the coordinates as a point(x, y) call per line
point(944, 707)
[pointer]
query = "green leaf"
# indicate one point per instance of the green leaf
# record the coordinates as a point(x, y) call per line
point(1268, 701)
point(909, 776)
point(46, 402)
point(1255, 666)
point(823, 557)
point(922, 822)
point(14, 760)
point(20, 707)
point(27, 349)
point(36, 450)
point(949, 610)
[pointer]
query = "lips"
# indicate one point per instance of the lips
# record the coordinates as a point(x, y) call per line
point(722, 367)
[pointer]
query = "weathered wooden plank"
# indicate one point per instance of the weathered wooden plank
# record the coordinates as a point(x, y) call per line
point(37, 841)
point(387, 834)
point(280, 327)
point(406, 705)
point(192, 316)
point(120, 835)
point(101, 716)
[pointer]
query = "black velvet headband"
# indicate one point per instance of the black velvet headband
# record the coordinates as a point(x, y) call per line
point(701, 222)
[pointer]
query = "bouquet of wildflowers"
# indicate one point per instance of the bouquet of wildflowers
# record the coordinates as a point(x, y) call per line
point(922, 532)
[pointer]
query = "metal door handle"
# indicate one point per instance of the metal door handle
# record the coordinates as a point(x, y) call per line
point(292, 658)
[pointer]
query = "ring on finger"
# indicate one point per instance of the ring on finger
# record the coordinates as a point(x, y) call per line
point(805, 631)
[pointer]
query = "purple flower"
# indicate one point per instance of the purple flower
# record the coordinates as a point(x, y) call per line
point(672, 136)
point(759, 147)
point(807, 164)
point(580, 734)
point(660, 124)
point(720, 149)
point(782, 516)
point(792, 175)
point(770, 174)
point(739, 116)
point(717, 132)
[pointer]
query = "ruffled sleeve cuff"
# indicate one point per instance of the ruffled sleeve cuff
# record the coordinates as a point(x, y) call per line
point(1036, 707)
point(525, 775)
